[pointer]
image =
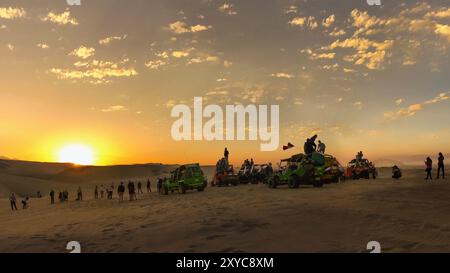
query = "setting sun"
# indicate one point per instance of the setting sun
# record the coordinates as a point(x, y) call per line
point(76, 154)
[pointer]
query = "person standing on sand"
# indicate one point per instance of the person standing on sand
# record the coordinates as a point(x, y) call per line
point(52, 197)
point(13, 200)
point(429, 168)
point(131, 191)
point(121, 191)
point(441, 166)
point(159, 185)
point(96, 192)
point(111, 191)
point(140, 187)
point(102, 191)
point(149, 188)
point(79, 194)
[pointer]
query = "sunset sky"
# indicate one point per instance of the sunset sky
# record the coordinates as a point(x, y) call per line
point(106, 74)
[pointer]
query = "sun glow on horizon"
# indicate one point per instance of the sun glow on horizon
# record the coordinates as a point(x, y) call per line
point(77, 154)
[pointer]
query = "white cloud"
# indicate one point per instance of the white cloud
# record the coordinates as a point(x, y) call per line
point(114, 108)
point(109, 40)
point(60, 19)
point(327, 22)
point(283, 75)
point(12, 13)
point(180, 27)
point(10, 47)
point(43, 46)
point(413, 109)
point(443, 30)
point(227, 9)
point(83, 52)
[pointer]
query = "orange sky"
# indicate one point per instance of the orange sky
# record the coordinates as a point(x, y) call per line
point(363, 78)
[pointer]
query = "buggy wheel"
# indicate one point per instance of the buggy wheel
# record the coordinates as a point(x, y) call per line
point(318, 184)
point(273, 182)
point(293, 182)
point(183, 189)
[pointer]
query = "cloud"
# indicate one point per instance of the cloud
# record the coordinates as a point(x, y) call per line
point(327, 22)
point(227, 9)
point(310, 22)
point(443, 30)
point(369, 53)
point(156, 64)
point(10, 47)
point(180, 54)
point(359, 105)
point(43, 46)
point(108, 40)
point(439, 98)
point(60, 19)
point(114, 108)
point(337, 32)
point(291, 9)
point(83, 52)
point(298, 21)
point(404, 112)
point(12, 13)
point(180, 27)
point(413, 109)
point(96, 71)
point(443, 13)
point(283, 75)
point(204, 59)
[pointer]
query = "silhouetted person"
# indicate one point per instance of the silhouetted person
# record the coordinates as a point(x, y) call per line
point(429, 168)
point(131, 191)
point(96, 192)
point(25, 203)
point(252, 162)
point(441, 166)
point(321, 147)
point(396, 172)
point(13, 201)
point(159, 185)
point(52, 197)
point(313, 142)
point(149, 187)
point(102, 191)
point(121, 191)
point(226, 153)
point(79, 194)
point(309, 147)
point(140, 187)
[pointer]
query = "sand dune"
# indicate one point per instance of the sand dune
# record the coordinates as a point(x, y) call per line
point(409, 215)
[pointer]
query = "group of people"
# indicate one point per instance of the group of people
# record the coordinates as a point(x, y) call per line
point(131, 186)
point(311, 146)
point(429, 167)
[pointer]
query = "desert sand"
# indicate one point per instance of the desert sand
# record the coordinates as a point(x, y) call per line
point(409, 215)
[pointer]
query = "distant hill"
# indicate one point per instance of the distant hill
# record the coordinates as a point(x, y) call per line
point(100, 173)
point(25, 178)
